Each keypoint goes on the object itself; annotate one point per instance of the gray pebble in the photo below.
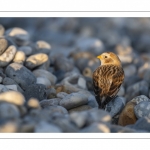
(51, 93)
(46, 74)
(61, 94)
(141, 98)
(7, 56)
(35, 91)
(80, 108)
(96, 128)
(44, 81)
(129, 70)
(142, 109)
(116, 105)
(49, 102)
(20, 74)
(3, 45)
(26, 49)
(45, 127)
(73, 100)
(8, 111)
(3, 88)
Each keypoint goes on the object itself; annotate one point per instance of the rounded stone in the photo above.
(43, 44)
(51, 93)
(44, 81)
(115, 106)
(7, 56)
(19, 57)
(45, 127)
(73, 100)
(61, 94)
(127, 116)
(8, 111)
(2, 30)
(20, 74)
(12, 87)
(37, 91)
(13, 97)
(49, 102)
(3, 88)
(26, 49)
(45, 74)
(130, 70)
(9, 127)
(142, 109)
(33, 103)
(36, 60)
(80, 108)
(3, 45)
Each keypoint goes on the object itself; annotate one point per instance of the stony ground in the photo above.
(46, 67)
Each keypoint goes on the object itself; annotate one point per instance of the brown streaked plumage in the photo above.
(107, 78)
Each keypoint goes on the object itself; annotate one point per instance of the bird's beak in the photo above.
(99, 57)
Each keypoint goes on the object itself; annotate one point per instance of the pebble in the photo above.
(80, 108)
(130, 70)
(27, 50)
(61, 95)
(3, 88)
(37, 91)
(121, 91)
(115, 106)
(7, 56)
(44, 81)
(139, 88)
(8, 111)
(19, 57)
(43, 44)
(1, 79)
(49, 102)
(51, 93)
(79, 118)
(45, 127)
(13, 97)
(96, 128)
(33, 103)
(73, 100)
(12, 87)
(36, 60)
(45, 74)
(142, 109)
(3, 45)
(20, 74)
(2, 30)
(92, 101)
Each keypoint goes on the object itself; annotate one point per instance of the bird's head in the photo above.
(109, 58)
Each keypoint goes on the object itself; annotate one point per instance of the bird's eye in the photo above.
(105, 56)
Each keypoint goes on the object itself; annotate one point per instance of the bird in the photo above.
(107, 78)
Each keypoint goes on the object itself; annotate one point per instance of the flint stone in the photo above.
(20, 74)
(73, 100)
(3, 45)
(35, 91)
(36, 60)
(45, 74)
(7, 56)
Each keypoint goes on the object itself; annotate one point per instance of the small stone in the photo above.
(96, 128)
(35, 91)
(73, 100)
(61, 94)
(2, 30)
(127, 116)
(51, 93)
(92, 101)
(141, 98)
(33, 103)
(82, 83)
(79, 118)
(139, 88)
(45, 74)
(12, 87)
(36, 60)
(8, 111)
(80, 108)
(3, 88)
(1, 79)
(44, 81)
(9, 127)
(27, 50)
(44, 66)
(115, 106)
(3, 45)
(142, 109)
(45, 127)
(43, 44)
(20, 74)
(27, 128)
(49, 102)
(19, 57)
(7, 56)
(13, 97)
